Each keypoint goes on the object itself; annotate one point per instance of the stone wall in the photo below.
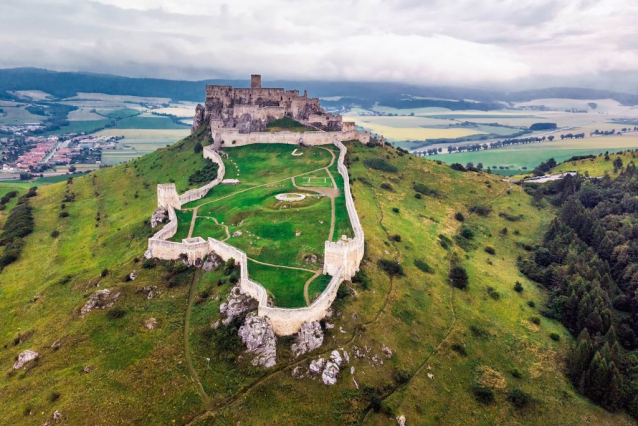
(342, 258)
(232, 137)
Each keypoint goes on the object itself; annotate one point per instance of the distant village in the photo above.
(37, 154)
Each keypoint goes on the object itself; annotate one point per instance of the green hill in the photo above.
(487, 349)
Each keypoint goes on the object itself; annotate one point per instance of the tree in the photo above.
(618, 163)
(458, 277)
(72, 169)
(469, 165)
(479, 166)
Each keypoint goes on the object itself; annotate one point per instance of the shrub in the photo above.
(459, 216)
(205, 175)
(444, 241)
(387, 187)
(198, 148)
(510, 217)
(515, 373)
(148, 264)
(518, 398)
(361, 278)
(425, 190)
(483, 395)
(531, 303)
(467, 232)
(401, 375)
(458, 167)
(481, 210)
(535, 320)
(478, 331)
(391, 267)
(64, 214)
(380, 164)
(460, 349)
(490, 250)
(104, 272)
(115, 313)
(395, 209)
(493, 293)
(518, 287)
(422, 265)
(458, 277)
(396, 238)
(54, 396)
(55, 233)
(418, 196)
(504, 231)
(554, 336)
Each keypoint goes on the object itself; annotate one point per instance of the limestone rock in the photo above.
(330, 373)
(57, 416)
(376, 360)
(101, 299)
(211, 262)
(159, 216)
(401, 420)
(24, 358)
(259, 338)
(87, 369)
(317, 365)
(56, 345)
(346, 357)
(309, 338)
(298, 372)
(311, 258)
(237, 304)
(150, 324)
(237, 234)
(386, 351)
(198, 119)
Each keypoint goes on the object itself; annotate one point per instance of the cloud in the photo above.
(466, 42)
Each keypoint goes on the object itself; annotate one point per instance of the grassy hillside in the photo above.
(111, 369)
(597, 166)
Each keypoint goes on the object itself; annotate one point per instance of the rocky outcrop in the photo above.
(237, 305)
(150, 324)
(198, 119)
(331, 372)
(211, 262)
(309, 338)
(317, 365)
(24, 358)
(159, 216)
(101, 299)
(259, 338)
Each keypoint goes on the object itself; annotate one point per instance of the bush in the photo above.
(460, 349)
(425, 190)
(518, 287)
(55, 233)
(205, 175)
(148, 264)
(481, 210)
(115, 313)
(554, 336)
(458, 167)
(418, 196)
(64, 214)
(493, 293)
(490, 250)
(380, 164)
(422, 265)
(515, 373)
(518, 398)
(396, 238)
(531, 303)
(387, 187)
(401, 375)
(104, 272)
(391, 267)
(478, 331)
(198, 148)
(459, 216)
(361, 278)
(535, 320)
(483, 395)
(467, 232)
(395, 209)
(458, 277)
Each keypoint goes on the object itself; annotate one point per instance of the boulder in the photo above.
(101, 299)
(159, 216)
(211, 262)
(401, 420)
(237, 305)
(259, 338)
(150, 324)
(386, 351)
(309, 338)
(330, 373)
(25, 357)
(317, 365)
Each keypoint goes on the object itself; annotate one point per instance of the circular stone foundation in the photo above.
(290, 196)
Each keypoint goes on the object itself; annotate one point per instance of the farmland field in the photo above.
(138, 142)
(532, 155)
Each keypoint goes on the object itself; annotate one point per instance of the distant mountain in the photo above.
(67, 84)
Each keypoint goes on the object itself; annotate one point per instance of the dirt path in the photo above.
(190, 230)
(307, 285)
(187, 352)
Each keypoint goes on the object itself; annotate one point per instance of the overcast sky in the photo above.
(479, 43)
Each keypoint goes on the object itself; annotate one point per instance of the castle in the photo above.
(239, 116)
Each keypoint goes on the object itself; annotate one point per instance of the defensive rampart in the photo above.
(232, 137)
(341, 259)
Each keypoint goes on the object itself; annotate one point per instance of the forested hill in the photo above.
(67, 84)
(589, 263)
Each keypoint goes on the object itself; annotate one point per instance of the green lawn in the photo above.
(284, 285)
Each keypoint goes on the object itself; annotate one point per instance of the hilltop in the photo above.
(419, 346)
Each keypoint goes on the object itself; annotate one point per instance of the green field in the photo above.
(531, 155)
(188, 369)
(80, 127)
(285, 286)
(150, 123)
(318, 180)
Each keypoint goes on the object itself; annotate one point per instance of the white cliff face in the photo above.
(309, 338)
(259, 338)
(24, 358)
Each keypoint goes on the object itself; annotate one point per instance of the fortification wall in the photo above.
(342, 258)
(232, 137)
